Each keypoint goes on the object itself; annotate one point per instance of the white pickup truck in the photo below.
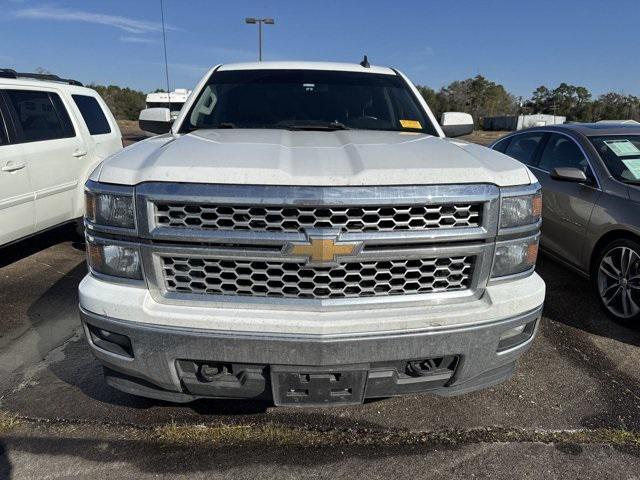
(305, 233)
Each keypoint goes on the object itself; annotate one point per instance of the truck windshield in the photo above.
(307, 100)
(621, 155)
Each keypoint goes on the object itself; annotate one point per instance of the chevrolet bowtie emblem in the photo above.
(322, 250)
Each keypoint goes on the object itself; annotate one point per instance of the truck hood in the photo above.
(283, 157)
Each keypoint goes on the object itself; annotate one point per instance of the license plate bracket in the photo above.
(304, 386)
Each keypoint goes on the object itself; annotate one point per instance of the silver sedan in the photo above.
(590, 174)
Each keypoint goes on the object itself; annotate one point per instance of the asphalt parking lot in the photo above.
(571, 411)
(573, 406)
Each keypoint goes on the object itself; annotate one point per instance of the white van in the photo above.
(53, 133)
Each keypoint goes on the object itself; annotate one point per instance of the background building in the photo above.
(518, 122)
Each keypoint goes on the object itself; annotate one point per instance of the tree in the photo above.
(540, 99)
(431, 97)
(478, 96)
(571, 101)
(124, 103)
(616, 106)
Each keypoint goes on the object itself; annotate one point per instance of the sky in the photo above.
(521, 44)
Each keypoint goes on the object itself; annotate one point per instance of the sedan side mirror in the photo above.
(155, 120)
(455, 124)
(569, 174)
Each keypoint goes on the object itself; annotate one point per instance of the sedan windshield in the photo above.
(621, 155)
(307, 100)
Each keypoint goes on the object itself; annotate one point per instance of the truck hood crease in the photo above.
(283, 157)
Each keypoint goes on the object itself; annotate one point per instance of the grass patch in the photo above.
(267, 434)
(278, 435)
(609, 436)
(273, 435)
(8, 422)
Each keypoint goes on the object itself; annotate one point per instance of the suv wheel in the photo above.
(617, 281)
(79, 229)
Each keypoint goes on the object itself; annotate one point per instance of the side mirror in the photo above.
(155, 120)
(455, 124)
(569, 174)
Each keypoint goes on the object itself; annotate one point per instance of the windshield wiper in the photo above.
(212, 127)
(329, 127)
(631, 182)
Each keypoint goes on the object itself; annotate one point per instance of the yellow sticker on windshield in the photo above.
(410, 124)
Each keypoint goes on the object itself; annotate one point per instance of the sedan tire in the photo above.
(616, 280)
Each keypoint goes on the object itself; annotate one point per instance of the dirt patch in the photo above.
(131, 132)
(483, 137)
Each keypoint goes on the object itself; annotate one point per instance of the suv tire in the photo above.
(79, 229)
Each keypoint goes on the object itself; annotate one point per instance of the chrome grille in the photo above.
(296, 219)
(206, 276)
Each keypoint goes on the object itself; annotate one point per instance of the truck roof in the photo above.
(288, 65)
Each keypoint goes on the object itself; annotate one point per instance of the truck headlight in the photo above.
(110, 209)
(114, 260)
(515, 256)
(521, 210)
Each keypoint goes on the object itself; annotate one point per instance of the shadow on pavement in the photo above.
(572, 301)
(41, 241)
(54, 315)
(160, 458)
(5, 464)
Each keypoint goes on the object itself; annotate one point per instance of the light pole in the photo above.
(259, 21)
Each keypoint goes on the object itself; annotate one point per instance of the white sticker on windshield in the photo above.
(633, 166)
(622, 148)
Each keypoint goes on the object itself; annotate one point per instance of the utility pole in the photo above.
(166, 62)
(259, 21)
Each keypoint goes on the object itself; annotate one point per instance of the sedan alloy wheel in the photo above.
(619, 281)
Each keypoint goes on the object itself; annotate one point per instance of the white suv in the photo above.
(53, 133)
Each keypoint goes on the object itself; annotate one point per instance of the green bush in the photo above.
(125, 103)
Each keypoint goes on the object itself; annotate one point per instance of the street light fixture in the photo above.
(259, 21)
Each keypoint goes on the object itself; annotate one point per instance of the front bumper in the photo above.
(166, 362)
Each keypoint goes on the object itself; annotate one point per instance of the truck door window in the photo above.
(92, 114)
(40, 115)
(523, 147)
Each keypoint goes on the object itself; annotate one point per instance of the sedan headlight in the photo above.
(110, 209)
(114, 260)
(521, 210)
(516, 256)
